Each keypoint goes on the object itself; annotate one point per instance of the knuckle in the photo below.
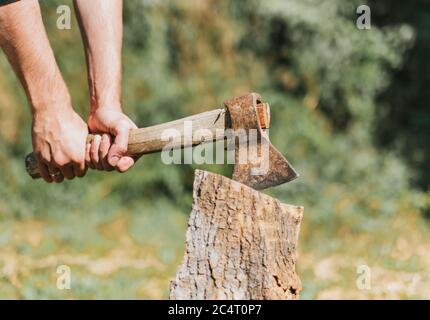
(44, 157)
(104, 148)
(78, 158)
(60, 160)
(122, 127)
(121, 149)
(93, 149)
(93, 152)
(122, 124)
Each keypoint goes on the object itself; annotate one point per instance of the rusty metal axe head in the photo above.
(258, 163)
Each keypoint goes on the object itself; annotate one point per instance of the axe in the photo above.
(245, 113)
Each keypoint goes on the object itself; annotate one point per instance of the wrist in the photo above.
(103, 96)
(52, 96)
(105, 104)
(52, 104)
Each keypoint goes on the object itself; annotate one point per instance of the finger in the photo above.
(119, 147)
(88, 157)
(44, 172)
(124, 164)
(103, 152)
(94, 152)
(55, 173)
(79, 169)
(67, 171)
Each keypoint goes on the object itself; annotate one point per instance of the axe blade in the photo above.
(266, 166)
(275, 168)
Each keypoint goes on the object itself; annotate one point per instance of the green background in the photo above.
(349, 110)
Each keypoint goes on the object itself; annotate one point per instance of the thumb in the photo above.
(119, 147)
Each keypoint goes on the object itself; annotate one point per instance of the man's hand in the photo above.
(102, 154)
(59, 139)
(59, 134)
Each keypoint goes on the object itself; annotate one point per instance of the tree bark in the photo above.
(240, 244)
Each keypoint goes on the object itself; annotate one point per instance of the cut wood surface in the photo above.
(240, 244)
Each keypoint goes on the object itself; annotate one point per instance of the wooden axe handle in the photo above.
(203, 127)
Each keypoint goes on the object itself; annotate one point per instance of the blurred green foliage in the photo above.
(403, 118)
(325, 80)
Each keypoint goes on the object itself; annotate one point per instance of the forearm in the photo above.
(25, 43)
(101, 27)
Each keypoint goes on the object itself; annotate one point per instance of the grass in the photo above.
(122, 255)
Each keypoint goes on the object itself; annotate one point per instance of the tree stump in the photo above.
(240, 244)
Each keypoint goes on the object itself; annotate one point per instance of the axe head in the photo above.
(258, 164)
